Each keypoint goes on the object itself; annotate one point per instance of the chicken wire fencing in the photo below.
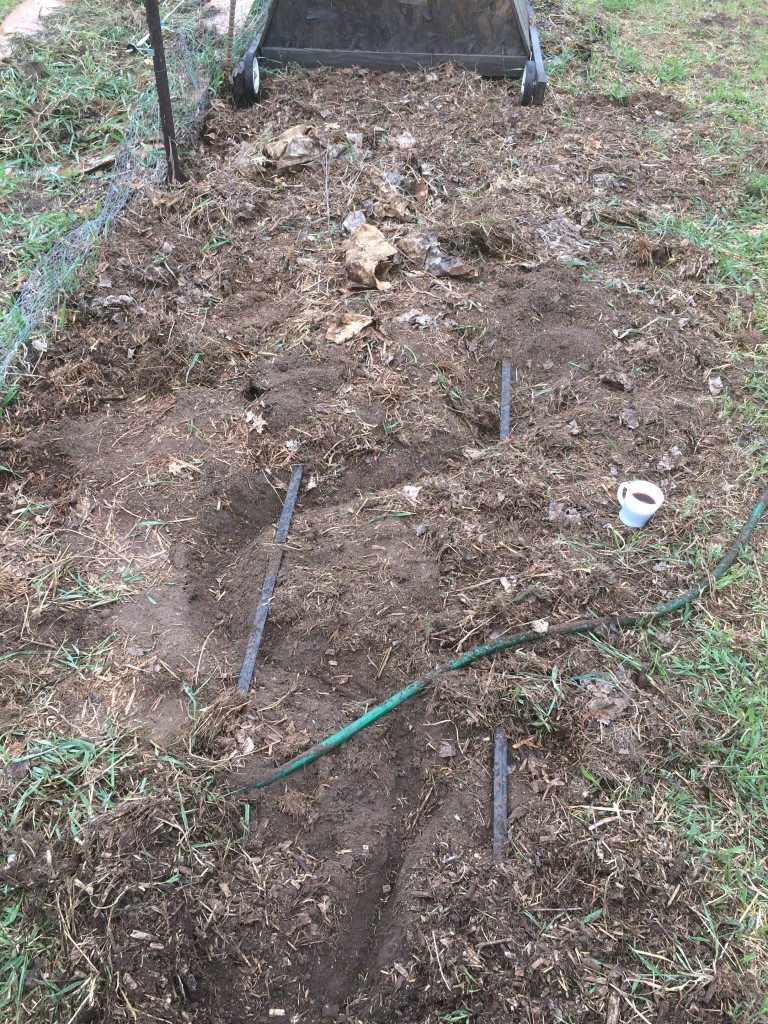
(192, 57)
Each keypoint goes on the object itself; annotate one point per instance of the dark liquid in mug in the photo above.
(643, 497)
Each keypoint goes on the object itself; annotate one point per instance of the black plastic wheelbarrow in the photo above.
(496, 38)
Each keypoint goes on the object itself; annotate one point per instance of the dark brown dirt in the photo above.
(160, 436)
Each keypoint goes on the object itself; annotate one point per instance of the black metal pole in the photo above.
(506, 399)
(270, 582)
(500, 797)
(175, 173)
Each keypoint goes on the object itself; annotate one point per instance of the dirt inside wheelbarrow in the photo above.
(146, 470)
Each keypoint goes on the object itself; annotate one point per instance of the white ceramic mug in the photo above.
(639, 499)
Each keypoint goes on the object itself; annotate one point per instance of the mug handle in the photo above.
(621, 494)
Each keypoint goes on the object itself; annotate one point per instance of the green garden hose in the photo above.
(518, 640)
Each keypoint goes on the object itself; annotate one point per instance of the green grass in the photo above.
(77, 106)
(67, 783)
(710, 792)
(738, 241)
(63, 786)
(25, 236)
(65, 99)
(718, 796)
(756, 187)
(625, 46)
(642, 44)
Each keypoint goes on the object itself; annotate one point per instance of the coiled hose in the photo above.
(704, 586)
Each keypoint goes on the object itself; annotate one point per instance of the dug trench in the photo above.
(145, 473)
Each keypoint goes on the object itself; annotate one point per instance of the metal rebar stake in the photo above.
(500, 796)
(500, 744)
(506, 399)
(270, 581)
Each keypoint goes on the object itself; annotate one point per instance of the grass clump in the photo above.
(62, 784)
(67, 100)
(756, 186)
(87, 822)
(64, 98)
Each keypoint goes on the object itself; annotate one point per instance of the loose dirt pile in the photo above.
(197, 368)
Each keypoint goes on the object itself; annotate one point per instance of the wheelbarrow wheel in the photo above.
(246, 79)
(527, 84)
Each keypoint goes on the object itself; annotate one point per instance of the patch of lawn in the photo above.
(64, 97)
(68, 95)
(710, 789)
(62, 790)
(633, 46)
(739, 244)
(63, 783)
(67, 98)
(709, 793)
(641, 44)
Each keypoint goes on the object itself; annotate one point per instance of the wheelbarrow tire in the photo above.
(246, 79)
(527, 84)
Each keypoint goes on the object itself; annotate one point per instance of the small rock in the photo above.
(617, 379)
(353, 220)
(416, 318)
(402, 140)
(109, 304)
(671, 459)
(16, 770)
(629, 418)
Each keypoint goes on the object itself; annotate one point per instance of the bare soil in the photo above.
(160, 433)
